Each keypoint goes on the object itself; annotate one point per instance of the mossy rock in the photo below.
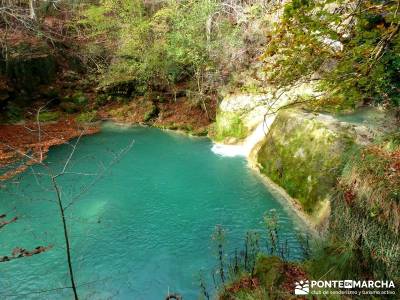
(305, 154)
(229, 125)
(49, 116)
(87, 117)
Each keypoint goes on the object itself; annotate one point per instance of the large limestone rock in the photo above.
(304, 153)
(240, 114)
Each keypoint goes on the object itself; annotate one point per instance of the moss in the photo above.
(229, 125)
(79, 98)
(49, 116)
(304, 156)
(87, 117)
(102, 100)
(151, 113)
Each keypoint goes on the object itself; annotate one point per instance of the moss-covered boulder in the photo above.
(239, 114)
(364, 225)
(49, 116)
(229, 125)
(304, 153)
(79, 98)
(87, 117)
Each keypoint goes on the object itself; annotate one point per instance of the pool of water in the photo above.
(140, 230)
(368, 116)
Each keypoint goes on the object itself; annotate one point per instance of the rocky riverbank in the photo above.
(300, 153)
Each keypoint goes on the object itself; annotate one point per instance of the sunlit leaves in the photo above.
(360, 37)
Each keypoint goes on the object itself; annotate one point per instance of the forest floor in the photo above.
(180, 114)
(22, 145)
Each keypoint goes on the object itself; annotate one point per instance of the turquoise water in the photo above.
(144, 228)
(368, 116)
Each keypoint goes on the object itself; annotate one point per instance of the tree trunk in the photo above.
(66, 237)
(32, 14)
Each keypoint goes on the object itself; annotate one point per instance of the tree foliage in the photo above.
(352, 46)
(158, 46)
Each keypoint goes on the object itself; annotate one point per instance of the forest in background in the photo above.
(202, 48)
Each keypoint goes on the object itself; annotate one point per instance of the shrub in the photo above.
(157, 49)
(87, 117)
(357, 62)
(69, 107)
(49, 116)
(13, 112)
(79, 98)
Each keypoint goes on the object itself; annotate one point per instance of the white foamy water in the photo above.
(244, 149)
(228, 150)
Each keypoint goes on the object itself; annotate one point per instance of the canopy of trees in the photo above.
(353, 46)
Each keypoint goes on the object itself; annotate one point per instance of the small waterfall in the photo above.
(245, 148)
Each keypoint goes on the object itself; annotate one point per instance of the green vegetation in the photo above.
(352, 46)
(87, 117)
(367, 201)
(150, 114)
(304, 155)
(364, 224)
(74, 103)
(79, 98)
(162, 46)
(156, 48)
(258, 270)
(268, 281)
(229, 125)
(142, 55)
(49, 116)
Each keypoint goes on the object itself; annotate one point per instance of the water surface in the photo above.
(144, 228)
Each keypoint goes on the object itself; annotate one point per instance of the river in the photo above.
(143, 227)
